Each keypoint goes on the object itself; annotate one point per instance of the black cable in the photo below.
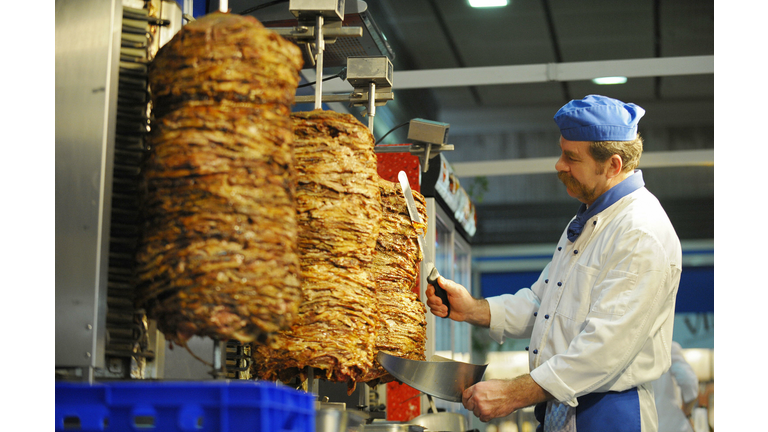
(392, 130)
(342, 74)
(261, 6)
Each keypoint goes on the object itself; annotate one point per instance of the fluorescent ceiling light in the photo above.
(610, 80)
(488, 3)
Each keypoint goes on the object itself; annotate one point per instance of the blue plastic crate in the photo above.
(185, 406)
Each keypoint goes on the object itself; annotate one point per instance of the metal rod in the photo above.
(310, 378)
(325, 98)
(371, 104)
(320, 44)
(341, 97)
(363, 400)
(308, 33)
(432, 404)
(313, 385)
(397, 148)
(219, 361)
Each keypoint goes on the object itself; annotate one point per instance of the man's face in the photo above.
(584, 177)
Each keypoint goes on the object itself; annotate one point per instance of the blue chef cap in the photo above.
(598, 118)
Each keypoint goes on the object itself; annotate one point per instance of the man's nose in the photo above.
(559, 165)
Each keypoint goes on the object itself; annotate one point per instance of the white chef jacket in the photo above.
(677, 385)
(600, 316)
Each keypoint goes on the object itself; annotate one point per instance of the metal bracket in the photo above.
(428, 141)
(427, 151)
(371, 79)
(311, 16)
(363, 98)
(305, 32)
(305, 35)
(354, 98)
(429, 137)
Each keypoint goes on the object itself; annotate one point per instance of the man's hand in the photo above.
(463, 306)
(498, 398)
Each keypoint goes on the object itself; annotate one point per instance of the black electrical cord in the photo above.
(261, 6)
(342, 74)
(392, 130)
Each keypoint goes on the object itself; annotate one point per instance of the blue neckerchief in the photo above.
(626, 187)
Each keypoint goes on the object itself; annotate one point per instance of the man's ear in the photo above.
(615, 166)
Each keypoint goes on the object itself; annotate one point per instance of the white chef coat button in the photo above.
(575, 251)
(546, 280)
(535, 351)
(560, 248)
(559, 284)
(594, 223)
(526, 348)
(535, 314)
(546, 316)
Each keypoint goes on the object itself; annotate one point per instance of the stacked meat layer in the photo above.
(339, 211)
(226, 57)
(219, 251)
(401, 328)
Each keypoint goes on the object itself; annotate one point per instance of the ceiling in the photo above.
(497, 76)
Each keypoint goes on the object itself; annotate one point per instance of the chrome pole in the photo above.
(371, 104)
(320, 46)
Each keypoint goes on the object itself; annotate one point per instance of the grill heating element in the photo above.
(127, 337)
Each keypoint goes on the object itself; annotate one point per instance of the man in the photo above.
(676, 393)
(600, 315)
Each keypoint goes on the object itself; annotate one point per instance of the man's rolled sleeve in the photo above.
(496, 305)
(549, 381)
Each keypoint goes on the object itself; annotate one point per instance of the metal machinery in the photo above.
(102, 51)
(102, 116)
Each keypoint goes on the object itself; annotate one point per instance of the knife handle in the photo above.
(439, 291)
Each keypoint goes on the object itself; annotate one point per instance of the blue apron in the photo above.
(602, 412)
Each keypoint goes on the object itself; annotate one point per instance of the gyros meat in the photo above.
(225, 57)
(339, 212)
(401, 329)
(218, 255)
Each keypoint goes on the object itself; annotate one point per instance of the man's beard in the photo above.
(581, 192)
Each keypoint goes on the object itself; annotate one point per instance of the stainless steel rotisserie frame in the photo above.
(87, 58)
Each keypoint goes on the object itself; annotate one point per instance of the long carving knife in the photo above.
(412, 210)
(431, 270)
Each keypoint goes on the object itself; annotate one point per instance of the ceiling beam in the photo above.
(547, 165)
(545, 72)
(486, 120)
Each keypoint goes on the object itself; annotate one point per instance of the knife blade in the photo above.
(412, 210)
(431, 270)
(445, 379)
